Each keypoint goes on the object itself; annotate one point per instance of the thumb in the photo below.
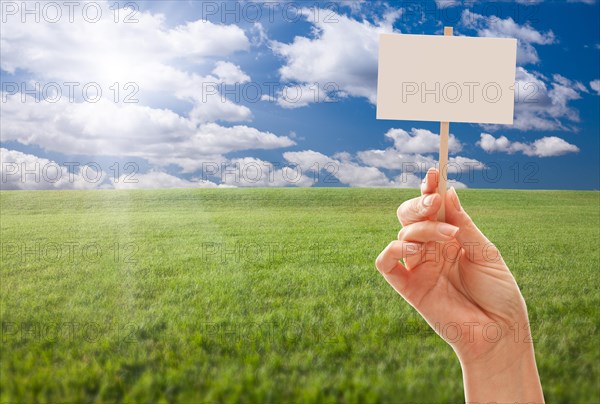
(475, 244)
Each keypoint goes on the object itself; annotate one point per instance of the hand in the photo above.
(457, 280)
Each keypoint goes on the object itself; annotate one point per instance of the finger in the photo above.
(422, 232)
(392, 254)
(430, 182)
(412, 261)
(388, 262)
(418, 209)
(476, 245)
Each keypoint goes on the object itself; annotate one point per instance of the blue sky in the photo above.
(205, 116)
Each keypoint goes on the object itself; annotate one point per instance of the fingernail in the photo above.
(455, 200)
(428, 201)
(447, 229)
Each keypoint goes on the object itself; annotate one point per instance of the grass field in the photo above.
(269, 295)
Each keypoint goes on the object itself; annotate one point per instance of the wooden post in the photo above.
(443, 160)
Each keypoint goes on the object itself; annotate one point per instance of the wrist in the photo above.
(482, 342)
(507, 373)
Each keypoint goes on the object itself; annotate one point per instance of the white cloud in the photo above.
(258, 34)
(150, 61)
(159, 135)
(420, 141)
(542, 103)
(297, 96)
(392, 159)
(544, 147)
(529, 2)
(303, 169)
(356, 6)
(156, 180)
(410, 180)
(349, 172)
(153, 57)
(447, 3)
(109, 51)
(25, 171)
(161, 62)
(342, 54)
(458, 163)
(595, 86)
(410, 153)
(21, 171)
(230, 73)
(577, 86)
(453, 3)
(308, 160)
(406, 155)
(253, 172)
(526, 35)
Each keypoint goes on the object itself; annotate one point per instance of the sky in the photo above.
(280, 94)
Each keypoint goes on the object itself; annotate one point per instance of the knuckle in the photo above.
(403, 233)
(400, 210)
(408, 209)
(378, 263)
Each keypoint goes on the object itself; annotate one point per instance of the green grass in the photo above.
(268, 295)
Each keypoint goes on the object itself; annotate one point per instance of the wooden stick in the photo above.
(443, 160)
(443, 163)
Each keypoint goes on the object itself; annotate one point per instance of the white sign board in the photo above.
(446, 78)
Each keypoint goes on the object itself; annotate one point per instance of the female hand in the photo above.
(457, 280)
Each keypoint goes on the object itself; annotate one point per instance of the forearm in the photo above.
(510, 376)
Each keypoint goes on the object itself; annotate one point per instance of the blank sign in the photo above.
(446, 78)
